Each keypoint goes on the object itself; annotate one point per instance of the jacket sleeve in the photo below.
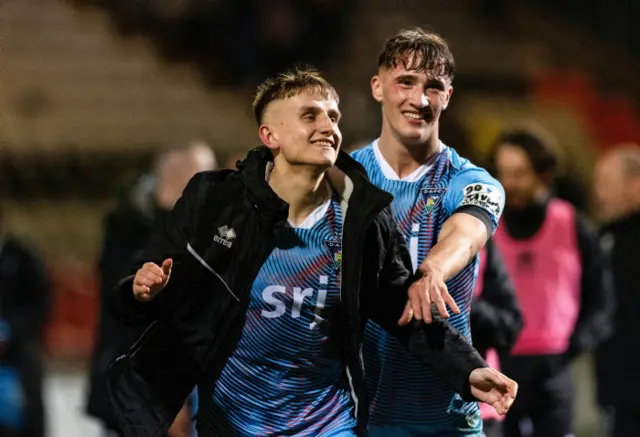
(168, 241)
(597, 300)
(437, 344)
(496, 320)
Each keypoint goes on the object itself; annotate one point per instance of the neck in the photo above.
(303, 188)
(405, 159)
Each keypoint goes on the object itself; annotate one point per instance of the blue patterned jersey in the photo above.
(403, 391)
(286, 376)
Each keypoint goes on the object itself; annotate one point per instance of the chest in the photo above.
(301, 278)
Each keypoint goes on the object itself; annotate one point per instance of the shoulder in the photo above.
(204, 184)
(458, 163)
(363, 154)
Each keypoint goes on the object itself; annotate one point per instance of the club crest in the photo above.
(335, 251)
(431, 198)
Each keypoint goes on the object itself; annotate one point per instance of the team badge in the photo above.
(431, 198)
(335, 250)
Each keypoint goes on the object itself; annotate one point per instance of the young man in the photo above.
(264, 276)
(446, 208)
(561, 279)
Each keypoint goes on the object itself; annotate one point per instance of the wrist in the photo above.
(431, 268)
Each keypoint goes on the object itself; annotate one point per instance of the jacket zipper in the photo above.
(354, 310)
(201, 260)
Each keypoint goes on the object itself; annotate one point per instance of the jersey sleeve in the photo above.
(474, 188)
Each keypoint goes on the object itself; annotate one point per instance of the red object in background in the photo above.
(565, 86)
(610, 120)
(615, 122)
(71, 329)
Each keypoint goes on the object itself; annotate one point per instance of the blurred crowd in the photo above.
(563, 265)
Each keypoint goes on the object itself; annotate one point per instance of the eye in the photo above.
(309, 116)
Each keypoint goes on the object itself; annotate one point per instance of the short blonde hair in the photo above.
(289, 84)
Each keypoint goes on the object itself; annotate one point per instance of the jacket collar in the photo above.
(347, 178)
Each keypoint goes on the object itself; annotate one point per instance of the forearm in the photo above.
(461, 238)
(442, 347)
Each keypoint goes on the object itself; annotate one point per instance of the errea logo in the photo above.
(225, 235)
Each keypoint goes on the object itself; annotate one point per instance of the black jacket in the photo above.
(616, 366)
(25, 299)
(127, 229)
(496, 319)
(197, 319)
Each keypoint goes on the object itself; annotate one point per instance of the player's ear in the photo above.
(267, 136)
(376, 87)
(447, 97)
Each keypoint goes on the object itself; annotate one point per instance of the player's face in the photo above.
(412, 102)
(304, 129)
(521, 183)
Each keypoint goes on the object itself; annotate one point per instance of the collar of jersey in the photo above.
(415, 176)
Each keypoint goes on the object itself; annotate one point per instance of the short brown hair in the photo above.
(420, 50)
(289, 84)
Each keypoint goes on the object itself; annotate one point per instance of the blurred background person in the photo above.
(496, 321)
(24, 307)
(126, 231)
(561, 281)
(617, 192)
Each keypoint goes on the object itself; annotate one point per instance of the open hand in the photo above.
(493, 388)
(151, 279)
(431, 288)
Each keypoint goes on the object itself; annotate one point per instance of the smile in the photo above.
(323, 143)
(413, 116)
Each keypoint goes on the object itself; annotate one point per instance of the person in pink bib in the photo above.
(562, 284)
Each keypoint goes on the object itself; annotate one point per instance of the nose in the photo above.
(325, 125)
(419, 99)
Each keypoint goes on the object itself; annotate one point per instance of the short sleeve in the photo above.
(474, 187)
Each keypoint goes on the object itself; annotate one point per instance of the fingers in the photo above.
(407, 315)
(415, 299)
(150, 279)
(450, 301)
(440, 305)
(426, 308)
(166, 266)
(499, 382)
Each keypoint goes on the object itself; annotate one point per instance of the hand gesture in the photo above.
(493, 388)
(151, 279)
(431, 288)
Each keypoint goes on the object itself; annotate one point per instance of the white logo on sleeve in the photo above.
(225, 235)
(483, 195)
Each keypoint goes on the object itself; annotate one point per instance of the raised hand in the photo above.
(151, 279)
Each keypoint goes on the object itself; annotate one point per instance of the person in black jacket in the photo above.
(25, 298)
(617, 189)
(127, 229)
(496, 321)
(265, 276)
